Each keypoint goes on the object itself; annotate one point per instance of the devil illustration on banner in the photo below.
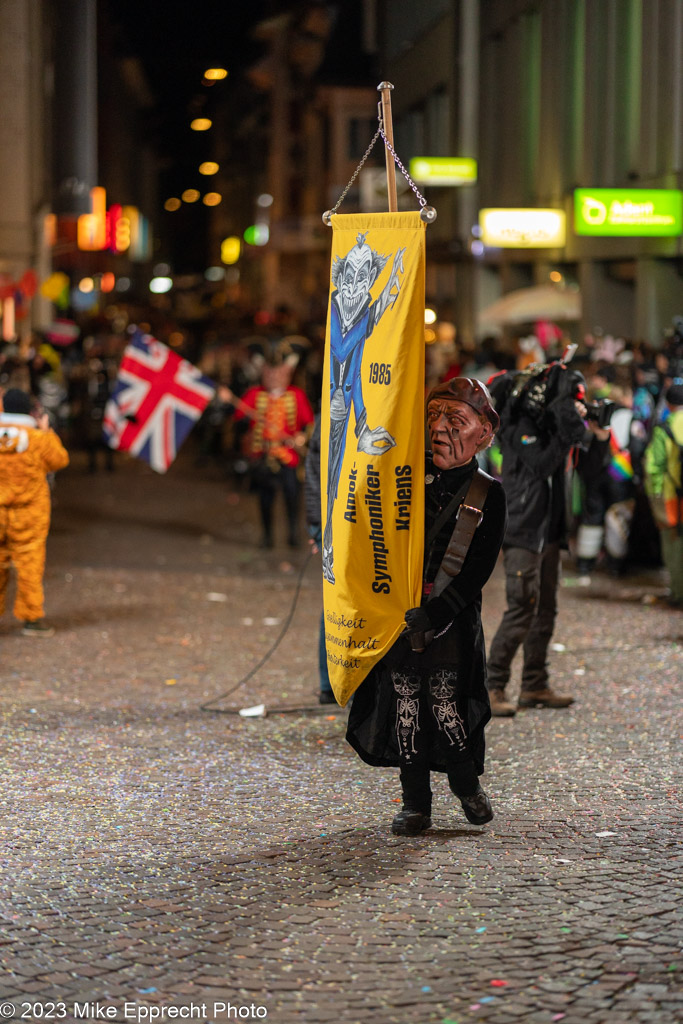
(353, 317)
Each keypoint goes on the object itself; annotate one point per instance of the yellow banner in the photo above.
(372, 444)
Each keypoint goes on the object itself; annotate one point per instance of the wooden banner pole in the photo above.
(385, 88)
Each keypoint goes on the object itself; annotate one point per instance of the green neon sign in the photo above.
(443, 170)
(637, 212)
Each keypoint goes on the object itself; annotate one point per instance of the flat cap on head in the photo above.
(470, 391)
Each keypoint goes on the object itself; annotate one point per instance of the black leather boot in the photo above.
(477, 807)
(415, 815)
(409, 822)
(464, 783)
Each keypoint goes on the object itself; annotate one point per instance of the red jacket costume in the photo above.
(279, 417)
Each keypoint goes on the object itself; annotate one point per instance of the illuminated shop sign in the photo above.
(91, 227)
(443, 170)
(522, 229)
(628, 211)
(116, 228)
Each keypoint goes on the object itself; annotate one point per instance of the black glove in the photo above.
(417, 621)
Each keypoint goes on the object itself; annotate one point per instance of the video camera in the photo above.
(532, 390)
(600, 411)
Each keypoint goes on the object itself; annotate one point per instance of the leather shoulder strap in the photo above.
(470, 515)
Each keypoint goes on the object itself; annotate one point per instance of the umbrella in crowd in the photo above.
(544, 302)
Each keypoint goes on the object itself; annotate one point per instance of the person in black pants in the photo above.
(423, 708)
(538, 430)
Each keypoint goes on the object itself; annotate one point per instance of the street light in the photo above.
(159, 285)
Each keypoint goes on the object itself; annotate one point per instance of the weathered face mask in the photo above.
(456, 433)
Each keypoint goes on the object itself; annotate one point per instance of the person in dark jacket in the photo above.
(538, 430)
(426, 710)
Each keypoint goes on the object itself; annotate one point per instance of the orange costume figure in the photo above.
(29, 450)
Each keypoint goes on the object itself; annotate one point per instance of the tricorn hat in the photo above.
(278, 352)
(470, 391)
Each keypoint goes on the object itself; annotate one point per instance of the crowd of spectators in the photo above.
(613, 528)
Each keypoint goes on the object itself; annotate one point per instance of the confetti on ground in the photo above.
(257, 711)
(148, 840)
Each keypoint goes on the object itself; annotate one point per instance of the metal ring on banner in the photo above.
(427, 213)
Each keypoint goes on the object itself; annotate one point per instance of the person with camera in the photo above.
(542, 418)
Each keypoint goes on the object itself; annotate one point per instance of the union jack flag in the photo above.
(156, 400)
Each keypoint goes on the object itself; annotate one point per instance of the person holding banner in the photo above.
(424, 706)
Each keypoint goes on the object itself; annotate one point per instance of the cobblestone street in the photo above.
(162, 862)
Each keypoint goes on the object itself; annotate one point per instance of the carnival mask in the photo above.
(456, 433)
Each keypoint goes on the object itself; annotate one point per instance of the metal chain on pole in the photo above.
(358, 169)
(380, 131)
(421, 199)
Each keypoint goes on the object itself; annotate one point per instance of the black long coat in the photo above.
(458, 647)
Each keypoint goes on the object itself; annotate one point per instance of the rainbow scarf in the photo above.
(620, 467)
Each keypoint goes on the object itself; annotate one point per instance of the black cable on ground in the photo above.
(290, 615)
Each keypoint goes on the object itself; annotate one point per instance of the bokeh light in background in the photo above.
(230, 249)
(257, 234)
(200, 124)
(430, 316)
(160, 285)
(172, 204)
(208, 167)
(190, 195)
(212, 199)
(215, 74)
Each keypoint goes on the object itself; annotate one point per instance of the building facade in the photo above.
(549, 96)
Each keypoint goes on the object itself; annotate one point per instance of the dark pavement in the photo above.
(158, 861)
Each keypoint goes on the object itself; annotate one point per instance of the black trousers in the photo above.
(266, 486)
(428, 714)
(531, 591)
